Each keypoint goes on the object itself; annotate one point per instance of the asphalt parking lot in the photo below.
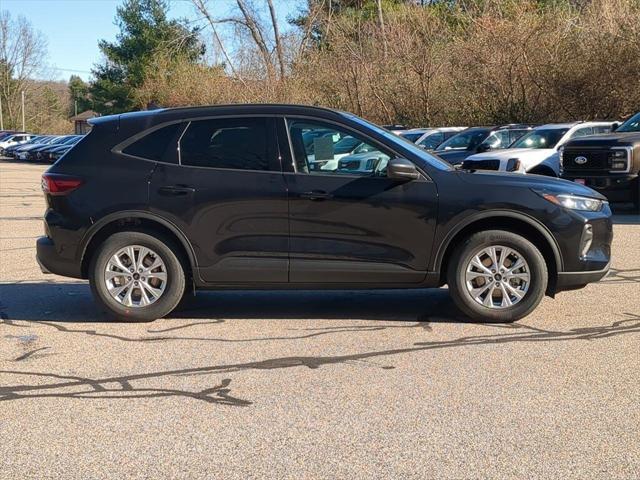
(315, 385)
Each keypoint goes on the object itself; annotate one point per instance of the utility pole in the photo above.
(1, 120)
(23, 129)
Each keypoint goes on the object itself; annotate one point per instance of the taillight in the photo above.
(57, 184)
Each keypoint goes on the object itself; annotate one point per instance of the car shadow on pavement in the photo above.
(72, 302)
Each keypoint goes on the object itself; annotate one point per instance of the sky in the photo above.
(74, 27)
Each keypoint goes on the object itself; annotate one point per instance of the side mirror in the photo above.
(402, 169)
(483, 147)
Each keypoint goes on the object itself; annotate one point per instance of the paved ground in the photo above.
(314, 385)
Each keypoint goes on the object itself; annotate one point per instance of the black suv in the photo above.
(152, 205)
(607, 163)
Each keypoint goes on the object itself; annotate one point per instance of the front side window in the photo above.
(229, 143)
(498, 139)
(432, 140)
(334, 150)
(464, 141)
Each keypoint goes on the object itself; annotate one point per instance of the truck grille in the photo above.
(585, 160)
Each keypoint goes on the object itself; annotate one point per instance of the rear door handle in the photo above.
(176, 190)
(316, 195)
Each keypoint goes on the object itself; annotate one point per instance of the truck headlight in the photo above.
(561, 158)
(620, 159)
(574, 202)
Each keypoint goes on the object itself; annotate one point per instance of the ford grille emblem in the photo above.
(580, 160)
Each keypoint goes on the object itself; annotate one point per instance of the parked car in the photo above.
(152, 204)
(412, 134)
(478, 140)
(55, 153)
(609, 164)
(537, 151)
(433, 137)
(36, 154)
(20, 151)
(15, 139)
(43, 153)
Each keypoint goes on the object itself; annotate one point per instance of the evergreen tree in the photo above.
(145, 32)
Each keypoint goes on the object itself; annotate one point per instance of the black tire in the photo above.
(175, 281)
(456, 276)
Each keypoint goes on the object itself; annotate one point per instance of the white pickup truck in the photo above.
(537, 151)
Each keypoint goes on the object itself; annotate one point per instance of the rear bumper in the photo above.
(51, 262)
(575, 280)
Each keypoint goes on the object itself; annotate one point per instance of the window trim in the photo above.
(119, 148)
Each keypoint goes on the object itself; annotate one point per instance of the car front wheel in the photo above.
(136, 276)
(497, 276)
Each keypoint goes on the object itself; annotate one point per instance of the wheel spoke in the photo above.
(115, 261)
(504, 254)
(476, 262)
(515, 291)
(142, 253)
(506, 299)
(491, 251)
(144, 298)
(156, 292)
(159, 275)
(111, 274)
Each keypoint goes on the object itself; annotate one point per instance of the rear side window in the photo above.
(230, 143)
(160, 145)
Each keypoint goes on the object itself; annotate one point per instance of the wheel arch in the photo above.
(134, 221)
(513, 222)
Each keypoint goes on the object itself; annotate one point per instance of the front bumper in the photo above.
(51, 262)
(616, 187)
(575, 280)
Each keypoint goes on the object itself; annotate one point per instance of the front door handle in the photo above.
(316, 195)
(176, 190)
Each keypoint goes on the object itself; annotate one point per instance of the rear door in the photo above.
(219, 181)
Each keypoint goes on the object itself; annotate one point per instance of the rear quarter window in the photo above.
(160, 145)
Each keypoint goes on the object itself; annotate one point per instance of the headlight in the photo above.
(620, 159)
(561, 158)
(574, 202)
(513, 164)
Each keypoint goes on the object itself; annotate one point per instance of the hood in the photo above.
(623, 139)
(495, 180)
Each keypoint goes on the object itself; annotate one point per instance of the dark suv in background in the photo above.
(478, 140)
(152, 205)
(607, 163)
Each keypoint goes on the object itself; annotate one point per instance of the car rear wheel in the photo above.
(136, 276)
(497, 276)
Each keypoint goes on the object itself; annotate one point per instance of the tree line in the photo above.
(431, 62)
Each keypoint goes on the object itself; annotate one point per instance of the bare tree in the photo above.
(22, 55)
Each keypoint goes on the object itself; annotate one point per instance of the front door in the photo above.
(350, 223)
(226, 192)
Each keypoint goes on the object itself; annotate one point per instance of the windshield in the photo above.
(397, 140)
(412, 136)
(541, 138)
(464, 141)
(631, 125)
